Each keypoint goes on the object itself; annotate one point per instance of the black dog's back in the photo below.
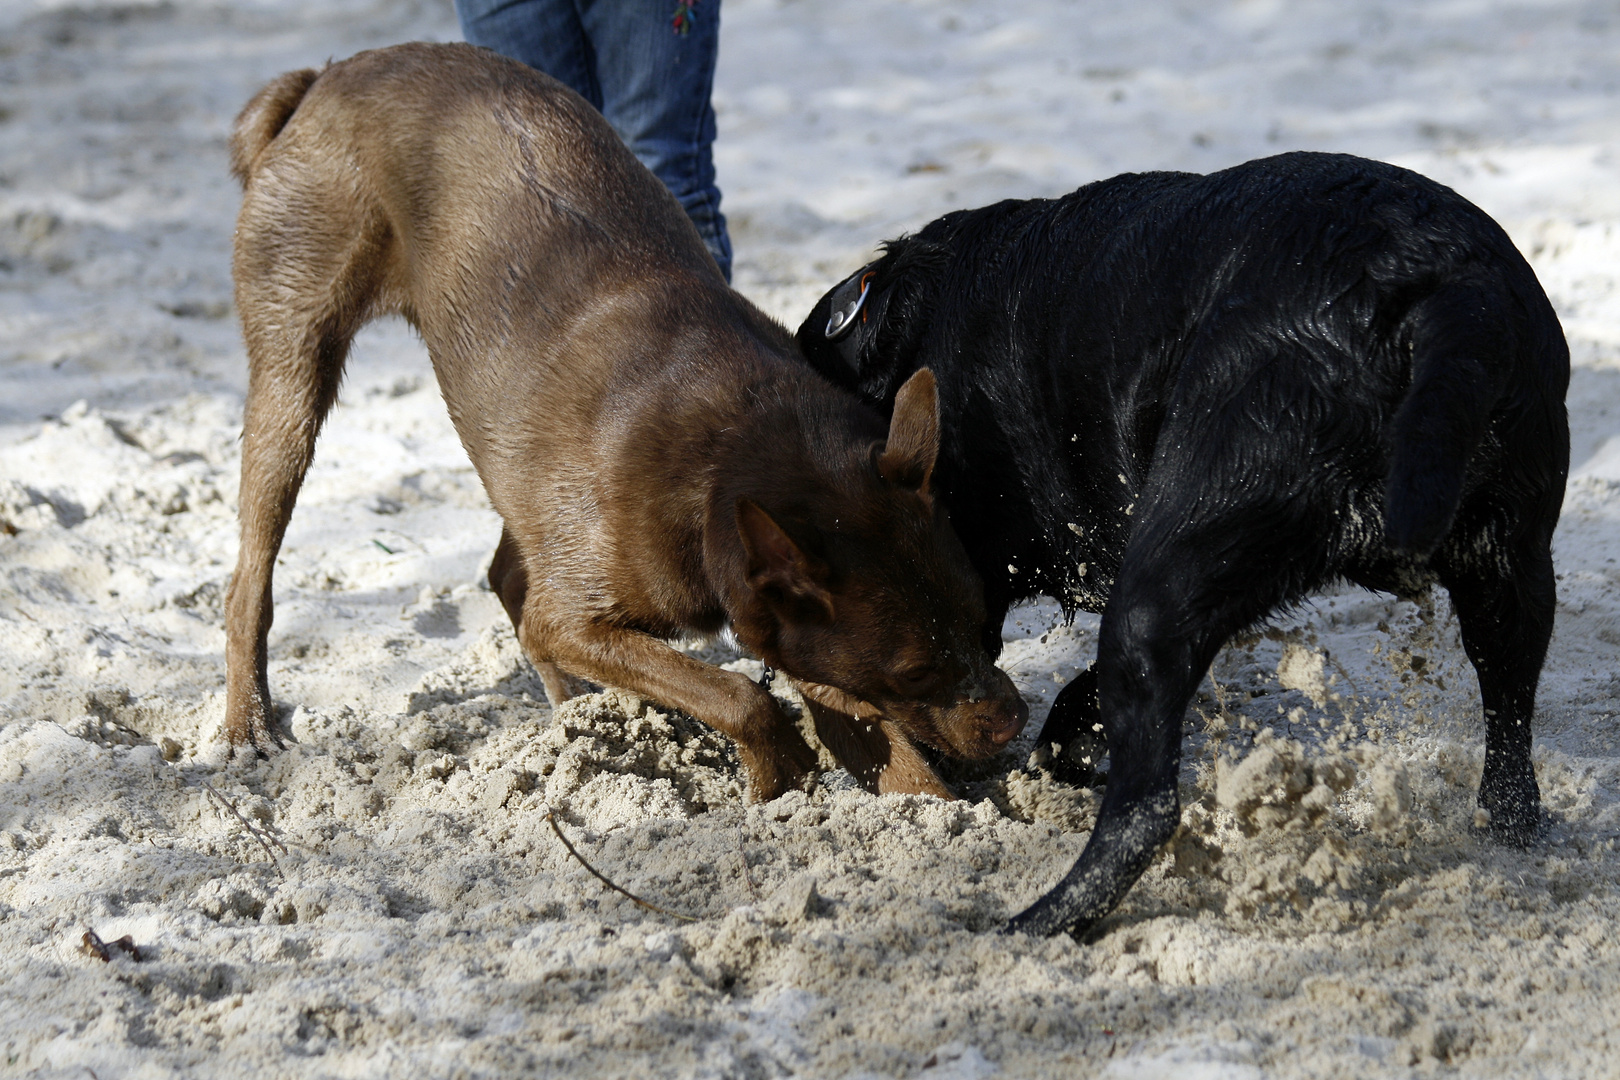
(1284, 297)
(1185, 400)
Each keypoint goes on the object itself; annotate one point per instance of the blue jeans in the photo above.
(626, 58)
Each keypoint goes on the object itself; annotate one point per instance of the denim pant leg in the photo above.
(655, 92)
(626, 58)
(545, 34)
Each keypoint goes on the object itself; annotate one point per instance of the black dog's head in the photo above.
(863, 334)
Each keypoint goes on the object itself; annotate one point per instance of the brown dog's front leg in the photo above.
(877, 755)
(772, 750)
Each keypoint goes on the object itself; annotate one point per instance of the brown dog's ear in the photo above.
(775, 563)
(908, 458)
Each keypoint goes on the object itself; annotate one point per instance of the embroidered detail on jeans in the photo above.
(682, 20)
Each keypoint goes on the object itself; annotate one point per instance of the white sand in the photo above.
(1326, 912)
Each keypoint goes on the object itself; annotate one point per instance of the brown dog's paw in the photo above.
(787, 765)
(252, 733)
(875, 750)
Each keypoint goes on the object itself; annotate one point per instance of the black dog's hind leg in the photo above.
(1504, 601)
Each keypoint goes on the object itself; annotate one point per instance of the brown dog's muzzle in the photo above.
(984, 714)
(987, 715)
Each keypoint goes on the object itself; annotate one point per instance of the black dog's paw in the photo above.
(1518, 827)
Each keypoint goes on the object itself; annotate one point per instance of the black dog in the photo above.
(1185, 401)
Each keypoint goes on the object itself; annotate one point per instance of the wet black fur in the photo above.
(1237, 388)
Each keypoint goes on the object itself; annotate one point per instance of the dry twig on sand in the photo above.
(597, 874)
(255, 833)
(748, 879)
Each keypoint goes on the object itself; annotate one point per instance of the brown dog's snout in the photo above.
(988, 715)
(1003, 727)
(1006, 716)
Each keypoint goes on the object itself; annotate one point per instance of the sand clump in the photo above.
(1276, 786)
(1303, 669)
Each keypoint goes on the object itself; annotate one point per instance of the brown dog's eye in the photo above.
(918, 679)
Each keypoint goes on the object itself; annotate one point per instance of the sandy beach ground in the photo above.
(387, 896)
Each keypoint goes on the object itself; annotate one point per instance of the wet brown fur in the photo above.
(662, 460)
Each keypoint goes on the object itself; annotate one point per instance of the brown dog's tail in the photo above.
(262, 119)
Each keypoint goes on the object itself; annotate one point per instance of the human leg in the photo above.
(656, 84)
(545, 34)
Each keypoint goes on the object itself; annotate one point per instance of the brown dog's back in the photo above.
(416, 223)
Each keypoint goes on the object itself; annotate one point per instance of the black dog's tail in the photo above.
(263, 118)
(1462, 350)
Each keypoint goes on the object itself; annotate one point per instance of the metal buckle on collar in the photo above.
(842, 322)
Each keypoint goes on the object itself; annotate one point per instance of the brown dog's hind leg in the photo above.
(508, 578)
(511, 583)
(284, 412)
(297, 323)
(879, 756)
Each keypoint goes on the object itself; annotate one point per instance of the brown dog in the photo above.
(663, 460)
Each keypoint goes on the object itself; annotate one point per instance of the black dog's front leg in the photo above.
(1130, 830)
(1144, 689)
(1170, 612)
(1075, 727)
